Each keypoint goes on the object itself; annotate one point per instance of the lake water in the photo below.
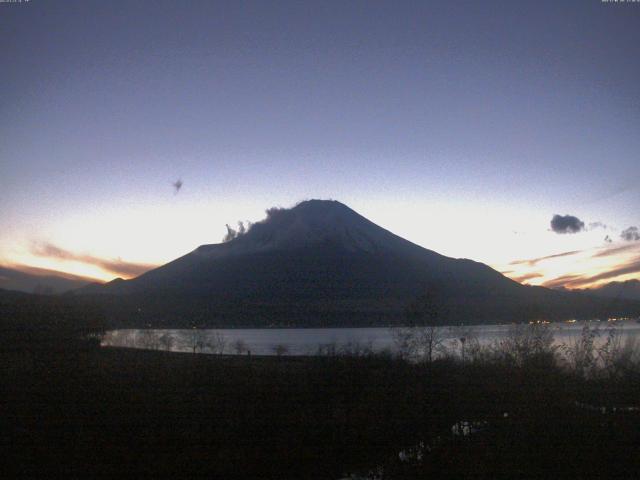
(311, 341)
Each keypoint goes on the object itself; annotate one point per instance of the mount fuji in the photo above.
(322, 264)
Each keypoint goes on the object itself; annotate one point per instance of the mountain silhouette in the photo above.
(38, 280)
(629, 290)
(321, 263)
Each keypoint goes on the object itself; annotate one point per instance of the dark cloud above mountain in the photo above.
(566, 224)
(115, 266)
(230, 235)
(233, 233)
(631, 234)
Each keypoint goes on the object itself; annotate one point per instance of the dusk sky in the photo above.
(463, 126)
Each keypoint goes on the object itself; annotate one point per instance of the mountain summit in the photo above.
(321, 263)
(308, 224)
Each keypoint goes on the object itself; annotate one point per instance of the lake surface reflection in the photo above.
(312, 341)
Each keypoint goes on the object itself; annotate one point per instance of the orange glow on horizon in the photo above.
(575, 272)
(40, 266)
(86, 246)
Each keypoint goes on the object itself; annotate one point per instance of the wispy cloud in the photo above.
(595, 225)
(534, 261)
(116, 266)
(624, 269)
(577, 281)
(528, 276)
(617, 250)
(563, 281)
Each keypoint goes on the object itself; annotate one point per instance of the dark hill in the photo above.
(40, 281)
(629, 290)
(321, 263)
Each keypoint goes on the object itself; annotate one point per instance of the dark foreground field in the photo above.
(111, 413)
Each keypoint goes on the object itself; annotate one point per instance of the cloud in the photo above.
(533, 261)
(566, 224)
(274, 211)
(594, 225)
(631, 234)
(576, 281)
(232, 233)
(528, 276)
(115, 266)
(562, 281)
(607, 252)
(275, 217)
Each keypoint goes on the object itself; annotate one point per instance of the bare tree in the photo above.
(430, 340)
(466, 341)
(423, 339)
(166, 341)
(239, 346)
(404, 341)
(424, 343)
(196, 340)
(148, 339)
(327, 349)
(216, 343)
(353, 348)
(280, 349)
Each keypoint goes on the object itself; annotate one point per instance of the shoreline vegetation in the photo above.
(595, 353)
(409, 342)
(433, 410)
